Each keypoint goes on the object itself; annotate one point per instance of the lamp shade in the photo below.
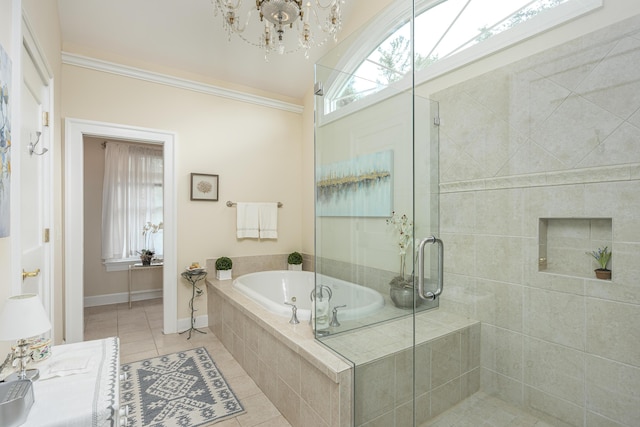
(23, 316)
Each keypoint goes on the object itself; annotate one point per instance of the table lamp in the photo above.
(23, 317)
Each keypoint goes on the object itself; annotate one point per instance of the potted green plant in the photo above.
(294, 261)
(401, 289)
(146, 256)
(223, 268)
(602, 256)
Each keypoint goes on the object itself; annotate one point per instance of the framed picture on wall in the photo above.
(204, 187)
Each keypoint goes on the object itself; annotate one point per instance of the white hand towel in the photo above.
(268, 220)
(247, 220)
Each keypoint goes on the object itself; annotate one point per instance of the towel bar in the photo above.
(232, 204)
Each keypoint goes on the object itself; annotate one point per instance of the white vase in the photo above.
(223, 274)
(295, 267)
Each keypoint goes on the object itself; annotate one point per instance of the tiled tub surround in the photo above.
(556, 135)
(311, 385)
(447, 367)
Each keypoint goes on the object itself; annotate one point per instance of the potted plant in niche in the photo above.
(602, 256)
(294, 261)
(223, 268)
(401, 289)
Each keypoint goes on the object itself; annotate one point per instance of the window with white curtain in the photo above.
(131, 201)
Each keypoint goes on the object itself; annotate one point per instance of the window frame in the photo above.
(394, 18)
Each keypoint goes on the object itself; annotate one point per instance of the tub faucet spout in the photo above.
(319, 291)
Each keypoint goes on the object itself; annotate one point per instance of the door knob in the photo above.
(33, 273)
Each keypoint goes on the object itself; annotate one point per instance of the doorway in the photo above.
(109, 282)
(75, 132)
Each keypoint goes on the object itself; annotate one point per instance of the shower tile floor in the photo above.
(483, 410)
(139, 329)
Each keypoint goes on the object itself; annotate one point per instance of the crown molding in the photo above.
(164, 79)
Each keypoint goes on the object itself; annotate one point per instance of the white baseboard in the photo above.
(201, 322)
(121, 297)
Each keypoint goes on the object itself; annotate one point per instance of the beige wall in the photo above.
(255, 150)
(223, 146)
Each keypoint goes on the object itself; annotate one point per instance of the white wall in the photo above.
(43, 18)
(44, 22)
(6, 27)
(369, 241)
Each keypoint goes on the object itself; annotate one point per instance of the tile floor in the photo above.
(482, 410)
(141, 337)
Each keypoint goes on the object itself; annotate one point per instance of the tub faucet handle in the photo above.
(334, 319)
(294, 314)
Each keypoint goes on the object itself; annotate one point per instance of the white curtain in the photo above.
(131, 198)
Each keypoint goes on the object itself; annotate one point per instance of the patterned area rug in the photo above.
(180, 389)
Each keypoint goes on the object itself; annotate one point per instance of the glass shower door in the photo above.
(376, 197)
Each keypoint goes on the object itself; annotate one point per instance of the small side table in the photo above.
(193, 277)
(139, 266)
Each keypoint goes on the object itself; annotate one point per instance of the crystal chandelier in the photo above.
(315, 23)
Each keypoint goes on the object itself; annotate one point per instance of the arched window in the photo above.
(443, 30)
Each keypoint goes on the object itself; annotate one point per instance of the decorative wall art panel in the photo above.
(361, 186)
(5, 142)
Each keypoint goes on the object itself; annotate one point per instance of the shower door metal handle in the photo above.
(430, 295)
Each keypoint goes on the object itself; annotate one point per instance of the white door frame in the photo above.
(75, 131)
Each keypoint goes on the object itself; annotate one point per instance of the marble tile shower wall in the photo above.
(554, 136)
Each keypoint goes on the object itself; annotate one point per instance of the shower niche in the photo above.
(564, 245)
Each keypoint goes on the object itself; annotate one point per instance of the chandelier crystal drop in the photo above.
(315, 22)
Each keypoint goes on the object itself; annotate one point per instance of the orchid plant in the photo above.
(404, 227)
(149, 229)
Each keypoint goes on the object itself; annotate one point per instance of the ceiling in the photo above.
(184, 35)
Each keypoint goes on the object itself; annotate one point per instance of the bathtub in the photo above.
(272, 288)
